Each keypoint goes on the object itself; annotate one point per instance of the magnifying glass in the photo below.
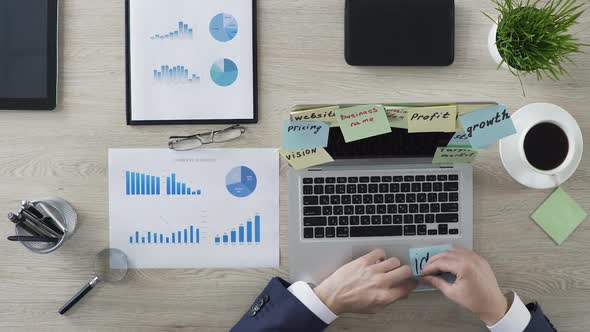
(110, 266)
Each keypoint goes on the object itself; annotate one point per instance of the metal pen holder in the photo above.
(60, 210)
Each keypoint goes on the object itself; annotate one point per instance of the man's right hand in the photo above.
(476, 287)
(366, 285)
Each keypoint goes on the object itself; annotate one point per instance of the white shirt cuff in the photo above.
(516, 319)
(306, 295)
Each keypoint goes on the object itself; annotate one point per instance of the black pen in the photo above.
(32, 239)
(19, 222)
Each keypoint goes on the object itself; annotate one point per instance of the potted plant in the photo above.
(531, 38)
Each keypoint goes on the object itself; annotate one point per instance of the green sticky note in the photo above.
(454, 155)
(432, 119)
(559, 216)
(300, 159)
(397, 116)
(362, 121)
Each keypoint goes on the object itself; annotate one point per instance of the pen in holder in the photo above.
(53, 219)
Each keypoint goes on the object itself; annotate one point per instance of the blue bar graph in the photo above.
(249, 234)
(183, 32)
(175, 74)
(188, 235)
(175, 187)
(141, 184)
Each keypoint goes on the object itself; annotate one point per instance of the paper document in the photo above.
(208, 208)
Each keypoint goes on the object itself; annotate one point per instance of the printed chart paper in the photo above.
(210, 208)
(191, 60)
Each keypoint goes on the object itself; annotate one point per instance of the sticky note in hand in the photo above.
(432, 119)
(420, 256)
(300, 159)
(559, 216)
(454, 155)
(486, 126)
(362, 121)
(300, 135)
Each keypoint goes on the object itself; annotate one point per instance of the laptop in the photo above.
(380, 192)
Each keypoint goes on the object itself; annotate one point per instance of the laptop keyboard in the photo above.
(380, 206)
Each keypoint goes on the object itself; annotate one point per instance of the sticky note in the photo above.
(432, 119)
(362, 121)
(300, 135)
(397, 116)
(420, 256)
(454, 155)
(468, 108)
(486, 126)
(300, 159)
(559, 216)
(325, 114)
(460, 139)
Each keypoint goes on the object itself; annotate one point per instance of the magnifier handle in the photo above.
(87, 288)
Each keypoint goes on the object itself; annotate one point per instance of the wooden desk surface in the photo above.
(300, 61)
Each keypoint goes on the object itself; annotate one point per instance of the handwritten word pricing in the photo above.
(301, 135)
(362, 121)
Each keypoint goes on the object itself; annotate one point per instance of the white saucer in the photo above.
(512, 153)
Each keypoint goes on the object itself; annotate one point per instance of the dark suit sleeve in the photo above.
(539, 322)
(276, 309)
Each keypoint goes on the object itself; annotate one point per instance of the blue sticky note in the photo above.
(460, 139)
(299, 135)
(420, 256)
(486, 126)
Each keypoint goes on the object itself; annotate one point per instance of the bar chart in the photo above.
(175, 74)
(141, 184)
(248, 233)
(175, 187)
(188, 235)
(182, 32)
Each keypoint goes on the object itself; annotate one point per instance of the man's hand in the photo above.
(366, 285)
(476, 287)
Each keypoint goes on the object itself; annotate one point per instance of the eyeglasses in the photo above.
(185, 143)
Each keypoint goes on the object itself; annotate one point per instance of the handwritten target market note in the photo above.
(432, 119)
(454, 155)
(362, 121)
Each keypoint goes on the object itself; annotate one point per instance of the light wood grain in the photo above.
(300, 61)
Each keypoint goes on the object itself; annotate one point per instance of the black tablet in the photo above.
(28, 54)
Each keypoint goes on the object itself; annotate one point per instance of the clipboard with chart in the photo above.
(191, 62)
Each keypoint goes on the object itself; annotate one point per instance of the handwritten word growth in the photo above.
(499, 117)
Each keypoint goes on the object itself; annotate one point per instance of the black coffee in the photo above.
(546, 146)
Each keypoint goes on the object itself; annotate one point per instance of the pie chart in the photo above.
(224, 72)
(240, 181)
(223, 27)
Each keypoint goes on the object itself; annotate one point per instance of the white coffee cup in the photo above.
(514, 157)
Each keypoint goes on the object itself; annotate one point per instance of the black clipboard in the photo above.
(128, 87)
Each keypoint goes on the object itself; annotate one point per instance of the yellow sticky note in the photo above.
(362, 121)
(397, 116)
(468, 108)
(454, 155)
(300, 159)
(324, 114)
(432, 119)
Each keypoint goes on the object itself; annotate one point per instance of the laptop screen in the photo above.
(397, 144)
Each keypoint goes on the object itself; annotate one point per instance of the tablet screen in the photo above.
(27, 55)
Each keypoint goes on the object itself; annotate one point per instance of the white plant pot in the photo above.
(492, 46)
